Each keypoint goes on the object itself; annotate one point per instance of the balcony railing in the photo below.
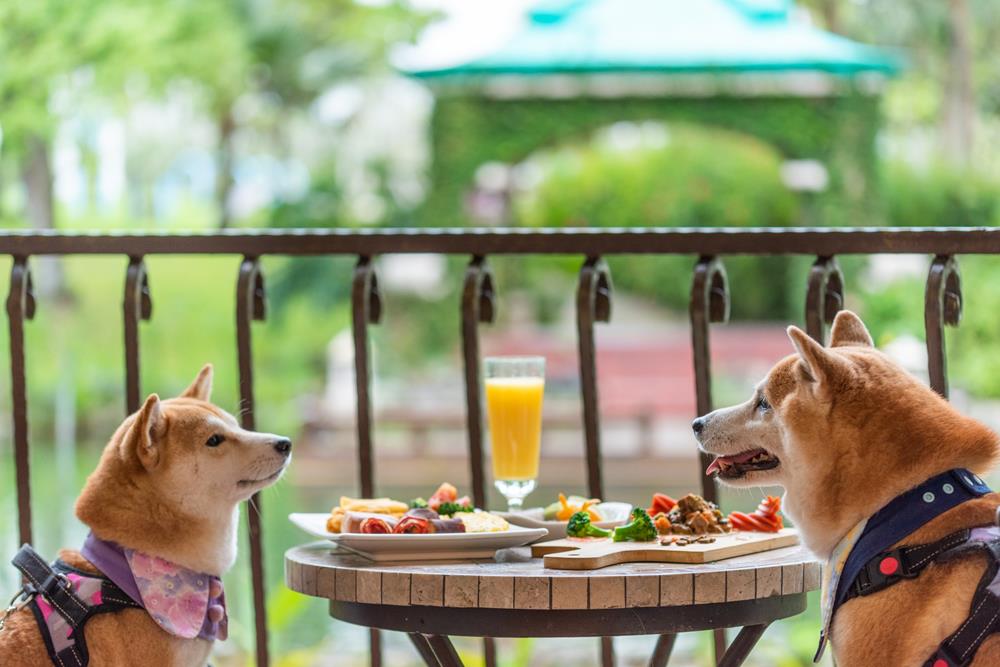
(709, 304)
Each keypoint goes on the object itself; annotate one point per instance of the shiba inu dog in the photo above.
(162, 506)
(846, 432)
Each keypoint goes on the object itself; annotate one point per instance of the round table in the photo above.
(514, 595)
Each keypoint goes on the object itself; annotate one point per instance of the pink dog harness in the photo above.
(62, 598)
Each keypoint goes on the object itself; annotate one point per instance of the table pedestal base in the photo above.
(429, 628)
(438, 651)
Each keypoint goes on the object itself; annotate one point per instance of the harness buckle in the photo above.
(53, 583)
(885, 569)
(943, 655)
(904, 571)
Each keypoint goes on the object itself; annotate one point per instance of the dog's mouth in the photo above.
(246, 483)
(738, 465)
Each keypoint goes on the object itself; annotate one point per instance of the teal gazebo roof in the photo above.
(671, 36)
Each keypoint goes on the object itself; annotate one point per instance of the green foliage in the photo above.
(423, 328)
(839, 131)
(945, 197)
(355, 37)
(939, 196)
(973, 347)
(682, 184)
(107, 42)
(192, 323)
(276, 55)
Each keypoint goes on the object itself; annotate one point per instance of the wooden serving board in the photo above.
(568, 554)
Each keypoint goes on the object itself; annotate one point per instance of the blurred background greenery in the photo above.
(173, 115)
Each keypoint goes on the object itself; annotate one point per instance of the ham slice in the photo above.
(413, 525)
(353, 520)
(375, 526)
(423, 520)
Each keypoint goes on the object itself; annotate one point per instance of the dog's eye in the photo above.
(762, 404)
(215, 440)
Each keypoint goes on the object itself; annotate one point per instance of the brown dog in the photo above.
(169, 485)
(845, 430)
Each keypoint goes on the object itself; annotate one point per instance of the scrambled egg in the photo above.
(482, 522)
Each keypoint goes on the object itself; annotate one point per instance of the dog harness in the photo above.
(864, 562)
(62, 598)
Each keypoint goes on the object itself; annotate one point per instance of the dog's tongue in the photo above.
(737, 458)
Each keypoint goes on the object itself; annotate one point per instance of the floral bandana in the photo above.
(183, 602)
(832, 570)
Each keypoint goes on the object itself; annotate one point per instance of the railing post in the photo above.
(366, 308)
(942, 306)
(824, 296)
(709, 303)
(137, 305)
(251, 305)
(593, 304)
(20, 307)
(478, 305)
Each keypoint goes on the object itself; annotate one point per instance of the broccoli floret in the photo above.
(580, 526)
(448, 509)
(417, 502)
(639, 529)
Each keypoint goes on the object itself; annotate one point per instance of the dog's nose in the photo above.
(697, 425)
(283, 446)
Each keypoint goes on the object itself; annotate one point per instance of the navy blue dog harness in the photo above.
(873, 565)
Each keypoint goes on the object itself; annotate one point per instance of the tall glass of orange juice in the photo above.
(514, 388)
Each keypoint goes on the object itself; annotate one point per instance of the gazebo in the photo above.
(753, 66)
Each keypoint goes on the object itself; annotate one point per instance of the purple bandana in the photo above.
(183, 602)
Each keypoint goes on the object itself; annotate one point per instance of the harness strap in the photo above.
(890, 567)
(62, 621)
(51, 585)
(959, 649)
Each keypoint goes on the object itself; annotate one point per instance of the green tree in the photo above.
(948, 45)
(45, 43)
(297, 49)
(285, 51)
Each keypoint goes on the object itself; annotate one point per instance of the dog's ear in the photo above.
(147, 431)
(818, 363)
(201, 388)
(848, 329)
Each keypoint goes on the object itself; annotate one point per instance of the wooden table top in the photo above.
(514, 580)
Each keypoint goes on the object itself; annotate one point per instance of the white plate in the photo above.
(616, 513)
(435, 546)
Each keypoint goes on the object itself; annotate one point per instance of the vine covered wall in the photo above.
(840, 131)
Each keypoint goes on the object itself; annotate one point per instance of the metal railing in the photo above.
(709, 304)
